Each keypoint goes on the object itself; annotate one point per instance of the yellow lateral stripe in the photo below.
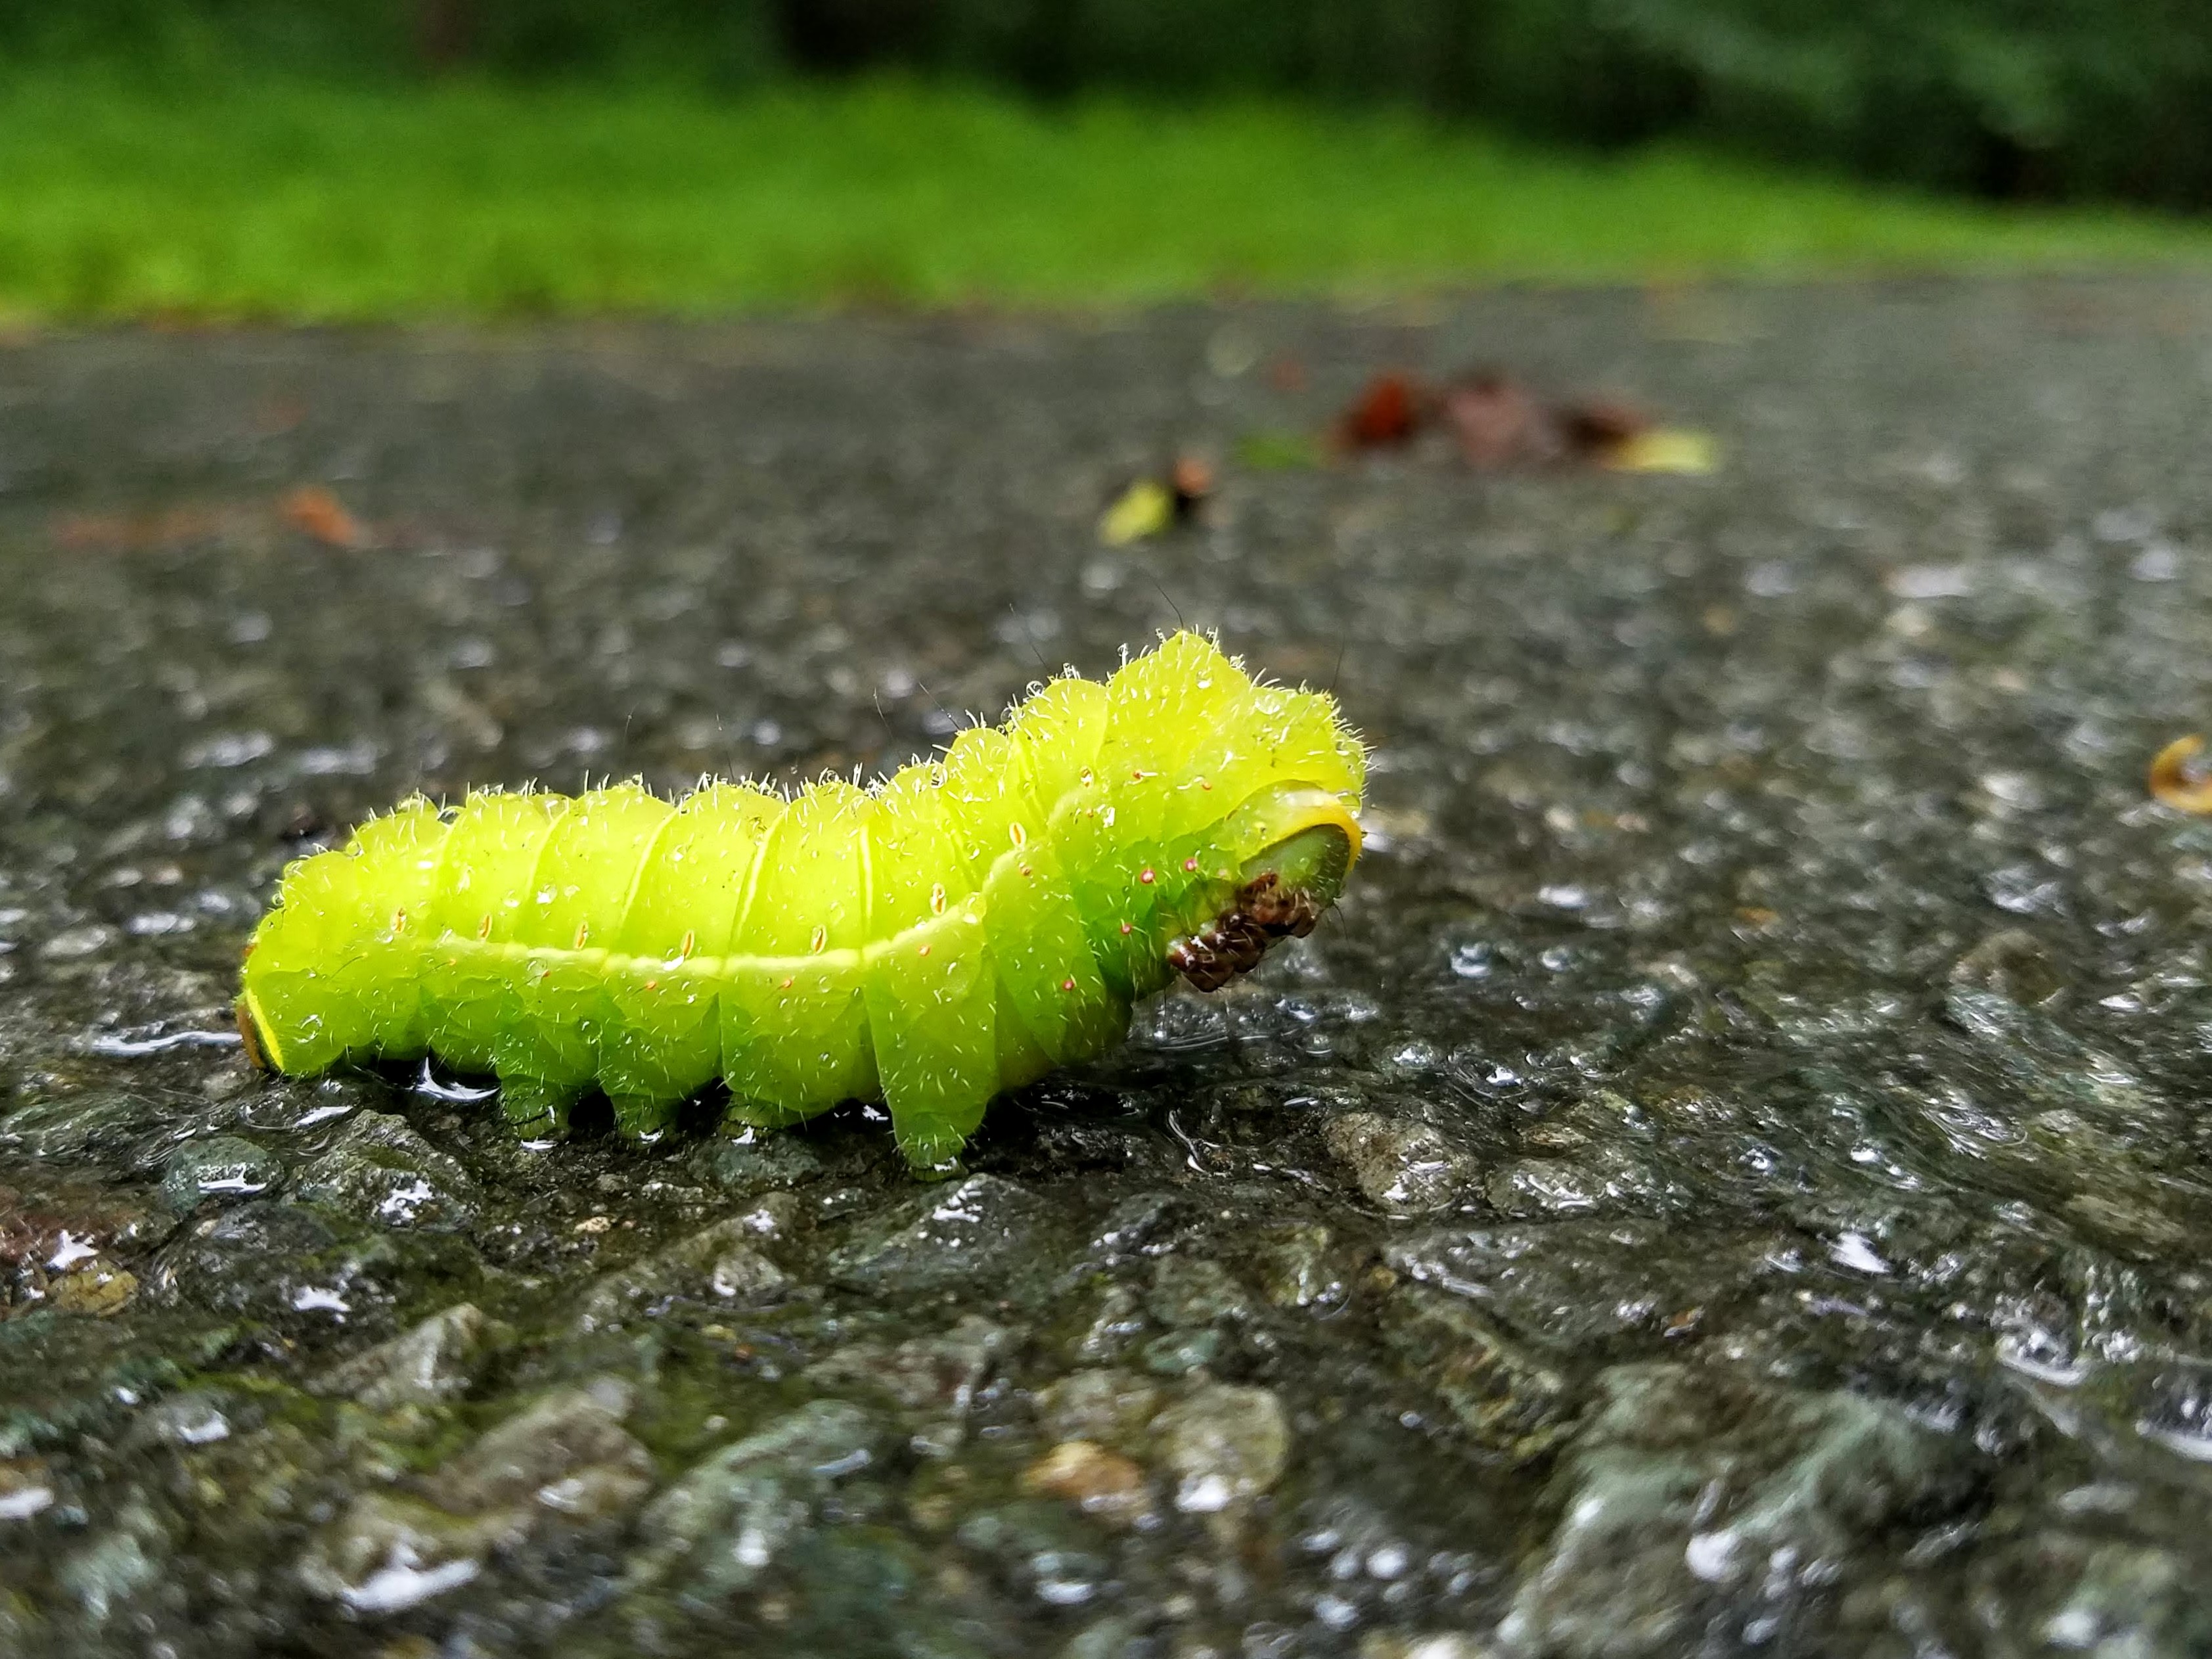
(723, 967)
(264, 1030)
(729, 965)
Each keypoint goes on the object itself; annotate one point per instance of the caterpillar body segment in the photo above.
(961, 928)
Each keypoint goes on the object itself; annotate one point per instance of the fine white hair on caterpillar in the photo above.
(958, 928)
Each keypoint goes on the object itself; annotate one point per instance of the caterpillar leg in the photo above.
(933, 1125)
(771, 1114)
(794, 1042)
(538, 1106)
(542, 1048)
(644, 1117)
(933, 1019)
(664, 1041)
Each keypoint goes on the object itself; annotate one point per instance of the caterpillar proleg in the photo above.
(959, 929)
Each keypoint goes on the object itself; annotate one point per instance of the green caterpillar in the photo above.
(960, 928)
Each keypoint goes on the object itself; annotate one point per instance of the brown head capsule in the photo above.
(1265, 910)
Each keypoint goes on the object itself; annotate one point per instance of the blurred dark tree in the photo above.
(715, 40)
(443, 34)
(2003, 97)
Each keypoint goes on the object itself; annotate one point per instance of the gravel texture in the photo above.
(1728, 1179)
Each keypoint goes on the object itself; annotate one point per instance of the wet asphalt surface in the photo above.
(1730, 1178)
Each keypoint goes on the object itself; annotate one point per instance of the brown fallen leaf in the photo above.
(1100, 1482)
(2177, 784)
(1190, 480)
(1601, 428)
(315, 510)
(1500, 425)
(138, 533)
(1389, 410)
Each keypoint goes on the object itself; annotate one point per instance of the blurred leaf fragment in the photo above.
(313, 509)
(1277, 451)
(1389, 408)
(1498, 424)
(2177, 783)
(1158, 503)
(1664, 449)
(138, 533)
(1144, 508)
(1191, 480)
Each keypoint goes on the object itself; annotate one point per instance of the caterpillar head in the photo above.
(1231, 803)
(1292, 847)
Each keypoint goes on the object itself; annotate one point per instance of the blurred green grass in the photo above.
(306, 201)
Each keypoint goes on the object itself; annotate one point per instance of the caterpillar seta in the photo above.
(959, 929)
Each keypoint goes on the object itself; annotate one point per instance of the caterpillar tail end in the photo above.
(262, 1052)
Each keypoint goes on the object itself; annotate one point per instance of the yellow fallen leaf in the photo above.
(2170, 780)
(1664, 449)
(1145, 508)
(98, 1291)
